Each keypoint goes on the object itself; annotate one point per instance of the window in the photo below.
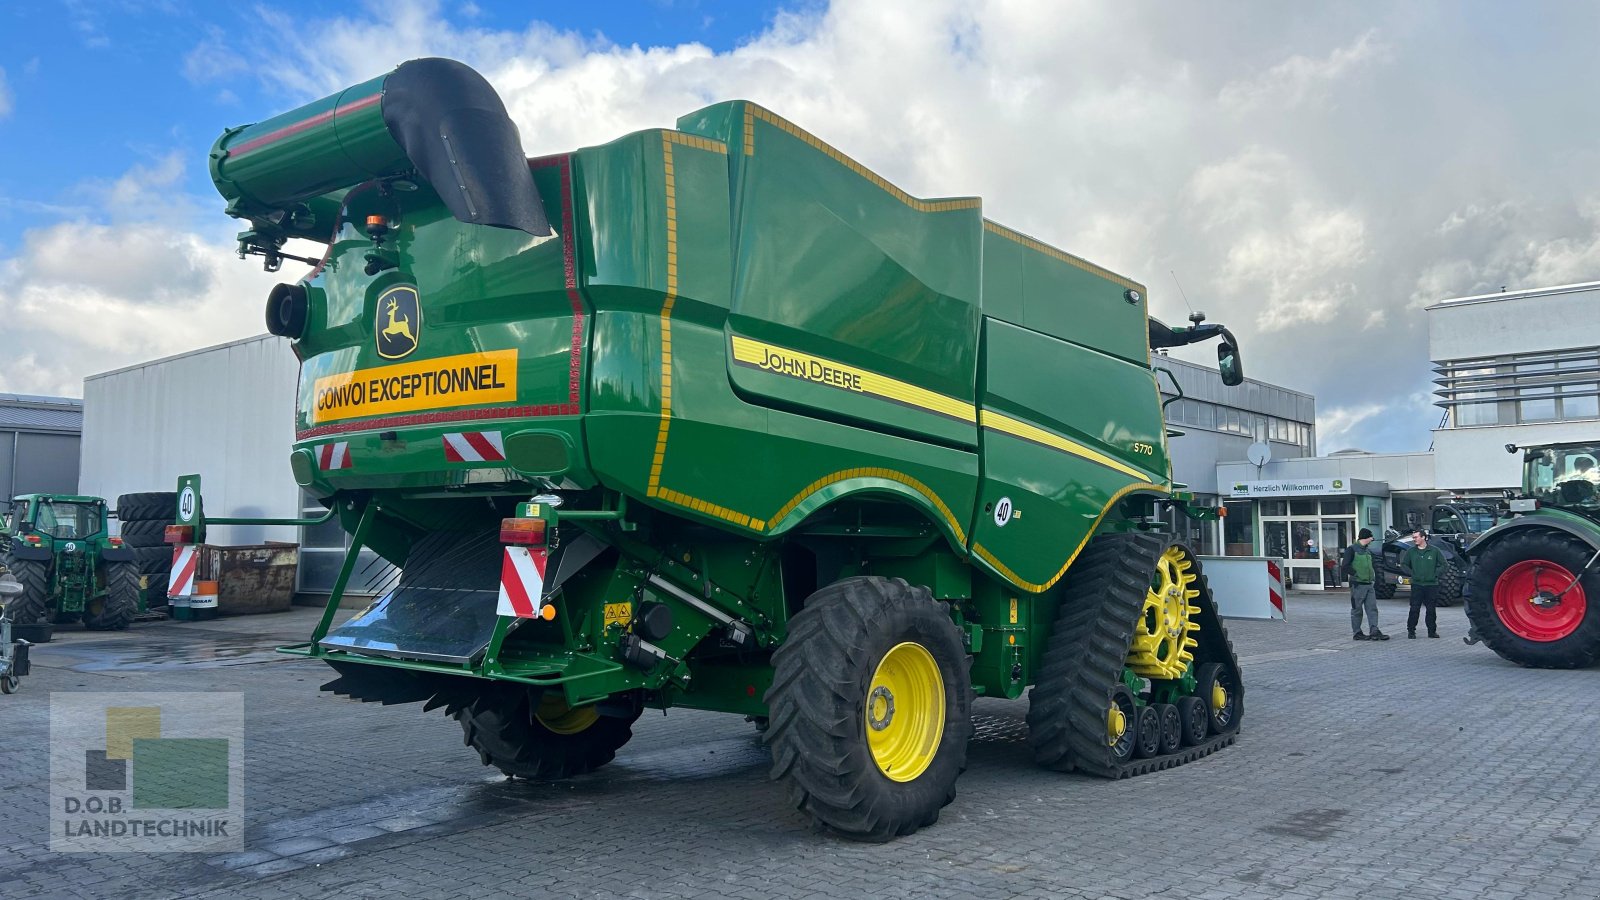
(1201, 415)
(1238, 530)
(1338, 507)
(1302, 507)
(1274, 508)
(1538, 387)
(1543, 410)
(1579, 401)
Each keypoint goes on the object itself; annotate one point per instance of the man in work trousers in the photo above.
(1359, 568)
(1423, 564)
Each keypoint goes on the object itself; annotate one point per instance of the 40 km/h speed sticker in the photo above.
(186, 504)
(1002, 512)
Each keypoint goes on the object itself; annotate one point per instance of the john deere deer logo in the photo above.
(399, 322)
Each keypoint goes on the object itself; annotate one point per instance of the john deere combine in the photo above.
(715, 417)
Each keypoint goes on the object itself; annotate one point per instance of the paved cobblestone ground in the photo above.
(1401, 769)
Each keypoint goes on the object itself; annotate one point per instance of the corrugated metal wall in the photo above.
(41, 464)
(225, 412)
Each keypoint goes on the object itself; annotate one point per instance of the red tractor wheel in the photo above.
(1530, 605)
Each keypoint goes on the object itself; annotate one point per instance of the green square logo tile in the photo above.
(180, 773)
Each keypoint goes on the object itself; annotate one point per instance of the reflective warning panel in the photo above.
(469, 379)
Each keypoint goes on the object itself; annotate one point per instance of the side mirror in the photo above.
(1511, 448)
(1228, 360)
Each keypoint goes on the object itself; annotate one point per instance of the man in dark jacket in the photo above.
(1423, 564)
(1360, 567)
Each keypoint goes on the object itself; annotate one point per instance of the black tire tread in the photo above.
(1578, 650)
(153, 560)
(815, 707)
(1102, 597)
(121, 602)
(144, 533)
(33, 604)
(148, 506)
(499, 724)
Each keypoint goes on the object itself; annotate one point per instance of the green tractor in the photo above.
(70, 567)
(715, 417)
(1535, 584)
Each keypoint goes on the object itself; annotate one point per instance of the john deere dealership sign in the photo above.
(1297, 487)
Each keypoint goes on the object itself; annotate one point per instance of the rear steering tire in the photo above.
(871, 708)
(533, 734)
(1384, 589)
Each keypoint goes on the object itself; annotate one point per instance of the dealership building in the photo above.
(1516, 367)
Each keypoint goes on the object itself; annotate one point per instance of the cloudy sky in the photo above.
(1313, 174)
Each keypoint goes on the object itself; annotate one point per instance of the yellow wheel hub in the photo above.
(1219, 697)
(1116, 725)
(554, 714)
(1163, 637)
(905, 711)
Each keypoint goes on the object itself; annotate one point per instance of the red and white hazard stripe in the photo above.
(180, 583)
(334, 456)
(1275, 587)
(474, 446)
(522, 582)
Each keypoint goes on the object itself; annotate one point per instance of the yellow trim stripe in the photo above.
(1036, 588)
(820, 370)
(653, 487)
(890, 474)
(994, 421)
(1062, 255)
(708, 508)
(699, 143)
(752, 111)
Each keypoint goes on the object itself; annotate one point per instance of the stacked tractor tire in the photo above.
(144, 519)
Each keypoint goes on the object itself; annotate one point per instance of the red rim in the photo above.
(1521, 584)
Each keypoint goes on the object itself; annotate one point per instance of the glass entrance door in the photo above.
(1336, 536)
(1305, 557)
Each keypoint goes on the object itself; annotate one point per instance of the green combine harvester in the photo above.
(715, 417)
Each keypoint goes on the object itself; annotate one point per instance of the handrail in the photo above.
(241, 520)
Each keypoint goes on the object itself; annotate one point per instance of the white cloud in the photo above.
(1300, 78)
(1335, 425)
(5, 95)
(1311, 192)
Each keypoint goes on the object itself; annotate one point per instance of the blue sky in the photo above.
(1314, 173)
(97, 86)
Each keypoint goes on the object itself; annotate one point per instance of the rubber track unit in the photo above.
(1103, 597)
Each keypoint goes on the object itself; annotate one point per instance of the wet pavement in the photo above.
(1402, 769)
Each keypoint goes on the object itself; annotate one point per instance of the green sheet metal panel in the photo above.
(665, 422)
(1063, 295)
(1066, 432)
(852, 299)
(485, 297)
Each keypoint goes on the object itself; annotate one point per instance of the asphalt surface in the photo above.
(1412, 769)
